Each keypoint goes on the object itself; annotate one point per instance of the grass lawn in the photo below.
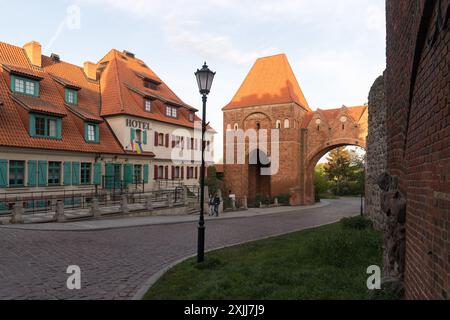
(329, 262)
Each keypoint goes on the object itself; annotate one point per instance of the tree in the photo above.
(338, 168)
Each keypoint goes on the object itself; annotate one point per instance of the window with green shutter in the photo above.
(75, 173)
(54, 173)
(32, 173)
(16, 173)
(3, 173)
(67, 173)
(24, 86)
(86, 173)
(137, 173)
(42, 173)
(71, 96)
(42, 126)
(92, 132)
(97, 173)
(146, 173)
(128, 174)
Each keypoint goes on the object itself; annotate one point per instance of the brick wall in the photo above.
(376, 156)
(418, 142)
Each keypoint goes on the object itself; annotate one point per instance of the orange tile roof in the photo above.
(270, 81)
(110, 95)
(331, 114)
(123, 91)
(14, 124)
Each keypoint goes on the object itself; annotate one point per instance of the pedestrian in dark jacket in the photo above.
(216, 205)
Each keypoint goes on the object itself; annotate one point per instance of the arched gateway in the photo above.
(270, 99)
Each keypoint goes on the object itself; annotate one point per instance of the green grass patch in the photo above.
(329, 262)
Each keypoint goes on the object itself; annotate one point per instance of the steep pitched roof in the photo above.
(123, 91)
(14, 124)
(270, 81)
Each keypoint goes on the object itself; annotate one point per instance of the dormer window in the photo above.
(71, 96)
(191, 117)
(148, 105)
(171, 111)
(24, 86)
(150, 85)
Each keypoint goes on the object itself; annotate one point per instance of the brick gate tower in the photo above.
(271, 98)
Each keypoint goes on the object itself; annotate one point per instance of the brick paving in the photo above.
(116, 263)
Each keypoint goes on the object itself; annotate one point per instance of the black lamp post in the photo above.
(205, 79)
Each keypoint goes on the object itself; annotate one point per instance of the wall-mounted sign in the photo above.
(137, 124)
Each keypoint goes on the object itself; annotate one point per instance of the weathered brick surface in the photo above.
(300, 147)
(376, 156)
(418, 141)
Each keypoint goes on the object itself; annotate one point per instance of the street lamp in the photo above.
(205, 79)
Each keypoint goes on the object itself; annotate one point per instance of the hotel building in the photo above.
(107, 125)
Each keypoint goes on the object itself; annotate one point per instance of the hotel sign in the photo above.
(137, 124)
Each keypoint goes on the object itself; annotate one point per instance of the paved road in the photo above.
(116, 263)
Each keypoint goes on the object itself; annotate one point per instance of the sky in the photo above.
(335, 47)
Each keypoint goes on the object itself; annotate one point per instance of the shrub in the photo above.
(283, 199)
(262, 199)
(359, 223)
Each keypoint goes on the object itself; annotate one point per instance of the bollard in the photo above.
(95, 209)
(59, 212)
(17, 213)
(124, 204)
(244, 203)
(260, 204)
(169, 200)
(185, 195)
(233, 204)
(149, 203)
(276, 202)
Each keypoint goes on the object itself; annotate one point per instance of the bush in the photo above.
(262, 199)
(283, 199)
(359, 223)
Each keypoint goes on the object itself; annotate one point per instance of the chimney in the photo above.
(90, 70)
(33, 50)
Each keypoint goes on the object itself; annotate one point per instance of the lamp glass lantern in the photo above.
(205, 79)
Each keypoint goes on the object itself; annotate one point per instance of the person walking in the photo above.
(211, 205)
(216, 205)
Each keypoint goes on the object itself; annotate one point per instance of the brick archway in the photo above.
(313, 159)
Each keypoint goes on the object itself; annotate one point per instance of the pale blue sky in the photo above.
(336, 47)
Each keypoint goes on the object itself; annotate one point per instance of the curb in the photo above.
(323, 204)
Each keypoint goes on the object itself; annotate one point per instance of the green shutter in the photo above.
(32, 172)
(128, 173)
(132, 134)
(97, 133)
(97, 173)
(36, 88)
(59, 128)
(75, 97)
(67, 173)
(13, 83)
(144, 138)
(42, 166)
(3, 173)
(146, 172)
(109, 173)
(32, 125)
(75, 173)
(86, 132)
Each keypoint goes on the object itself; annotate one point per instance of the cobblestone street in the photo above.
(116, 263)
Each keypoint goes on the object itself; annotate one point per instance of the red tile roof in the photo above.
(111, 95)
(331, 114)
(123, 91)
(14, 124)
(270, 81)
